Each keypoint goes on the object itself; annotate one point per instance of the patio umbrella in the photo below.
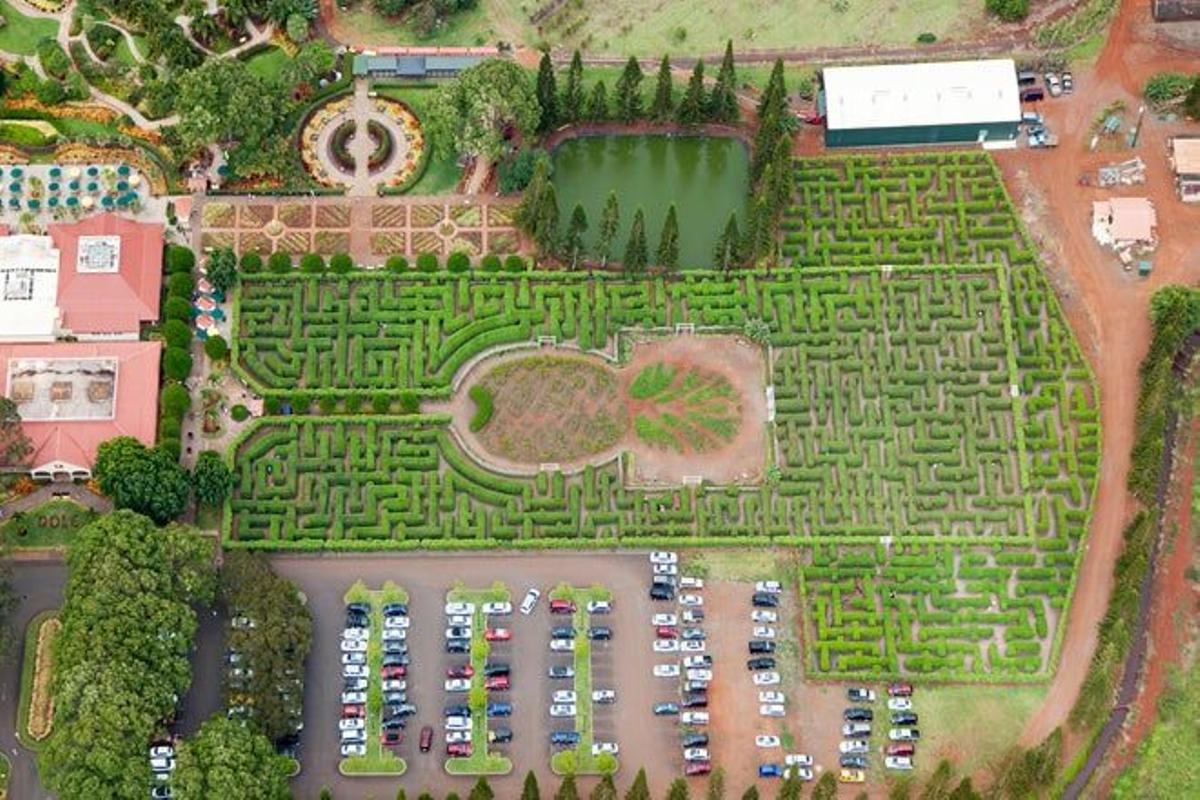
(35, 204)
(203, 286)
(122, 186)
(73, 186)
(72, 201)
(17, 172)
(16, 187)
(205, 304)
(88, 202)
(122, 201)
(135, 180)
(55, 172)
(14, 202)
(218, 314)
(206, 323)
(123, 169)
(92, 186)
(53, 186)
(74, 172)
(52, 202)
(106, 201)
(93, 171)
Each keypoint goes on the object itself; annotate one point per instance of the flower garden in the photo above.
(935, 437)
(398, 142)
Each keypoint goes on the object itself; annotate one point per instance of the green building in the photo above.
(915, 104)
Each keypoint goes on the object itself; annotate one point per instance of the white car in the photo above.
(356, 671)
(460, 608)
(562, 710)
(694, 718)
(699, 675)
(162, 764)
(798, 760)
(693, 600)
(664, 557)
(764, 616)
(854, 747)
(766, 679)
(898, 762)
(453, 737)
(497, 609)
(354, 646)
(395, 634)
(162, 751)
(763, 632)
(354, 698)
(693, 616)
(599, 607)
(692, 646)
(764, 740)
(460, 620)
(664, 619)
(531, 598)
(354, 735)
(664, 645)
(666, 670)
(605, 747)
(347, 658)
(353, 724)
(395, 622)
(900, 704)
(690, 582)
(458, 632)
(768, 587)
(356, 633)
(395, 685)
(458, 685)
(562, 645)
(350, 749)
(666, 569)
(696, 754)
(771, 710)
(698, 662)
(604, 696)
(458, 723)
(771, 697)
(563, 696)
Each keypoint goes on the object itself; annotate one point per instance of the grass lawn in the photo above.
(124, 55)
(52, 524)
(22, 34)
(5, 768)
(970, 725)
(442, 172)
(1168, 760)
(378, 760)
(268, 63)
(583, 763)
(28, 669)
(685, 27)
(480, 762)
(736, 565)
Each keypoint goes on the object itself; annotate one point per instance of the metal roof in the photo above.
(412, 66)
(914, 95)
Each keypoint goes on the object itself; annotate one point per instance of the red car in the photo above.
(562, 607)
(394, 671)
(464, 671)
(426, 738)
(392, 738)
(901, 749)
(497, 634)
(496, 683)
(666, 632)
(460, 749)
(900, 690)
(697, 768)
(354, 712)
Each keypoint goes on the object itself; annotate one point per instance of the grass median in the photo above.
(480, 762)
(579, 760)
(379, 760)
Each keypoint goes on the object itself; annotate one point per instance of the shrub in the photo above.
(327, 403)
(279, 262)
(181, 284)
(381, 403)
(251, 262)
(1008, 10)
(216, 348)
(271, 404)
(515, 263)
(490, 263)
(341, 263)
(458, 261)
(239, 413)
(178, 309)
(397, 264)
(300, 402)
(174, 401)
(180, 259)
(353, 403)
(515, 173)
(177, 363)
(169, 428)
(170, 446)
(176, 333)
(409, 402)
(483, 407)
(427, 262)
(312, 263)
(926, 38)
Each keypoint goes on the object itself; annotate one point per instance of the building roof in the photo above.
(110, 274)
(416, 65)
(915, 95)
(1185, 152)
(28, 288)
(1129, 219)
(118, 381)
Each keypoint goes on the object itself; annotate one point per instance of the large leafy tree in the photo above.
(226, 760)
(629, 91)
(310, 62)
(211, 479)
(223, 101)
(473, 113)
(121, 658)
(15, 446)
(142, 479)
(222, 269)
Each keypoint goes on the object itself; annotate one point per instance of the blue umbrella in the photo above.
(106, 200)
(93, 186)
(55, 172)
(14, 202)
(122, 201)
(72, 201)
(73, 186)
(123, 169)
(35, 204)
(17, 172)
(93, 171)
(16, 187)
(52, 202)
(53, 186)
(122, 186)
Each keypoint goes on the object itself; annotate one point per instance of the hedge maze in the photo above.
(936, 434)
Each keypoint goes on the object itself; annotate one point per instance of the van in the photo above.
(1026, 78)
(1032, 95)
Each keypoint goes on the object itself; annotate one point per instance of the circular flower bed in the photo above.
(339, 145)
(310, 135)
(382, 140)
(413, 148)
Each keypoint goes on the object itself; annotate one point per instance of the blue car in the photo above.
(770, 771)
(564, 737)
(499, 709)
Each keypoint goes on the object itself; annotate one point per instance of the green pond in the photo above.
(705, 177)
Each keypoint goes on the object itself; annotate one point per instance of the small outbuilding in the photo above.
(1185, 161)
(1125, 222)
(412, 67)
(947, 102)
(1175, 10)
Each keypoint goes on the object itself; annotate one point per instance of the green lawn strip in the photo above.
(583, 763)
(480, 762)
(378, 760)
(52, 524)
(5, 768)
(989, 717)
(27, 670)
(22, 34)
(269, 63)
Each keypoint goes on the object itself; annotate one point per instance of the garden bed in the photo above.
(35, 712)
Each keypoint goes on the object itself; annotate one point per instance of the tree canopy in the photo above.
(211, 479)
(15, 446)
(223, 101)
(226, 760)
(473, 113)
(146, 480)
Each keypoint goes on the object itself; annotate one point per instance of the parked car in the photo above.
(350, 724)
(772, 697)
(395, 610)
(460, 608)
(497, 634)
(766, 740)
(500, 735)
(900, 749)
(695, 699)
(499, 709)
(766, 678)
(693, 634)
(600, 633)
(694, 718)
(530, 600)
(497, 609)
(394, 634)
(759, 646)
(900, 690)
(691, 582)
(904, 734)
(771, 710)
(426, 740)
(764, 600)
(693, 646)
(698, 662)
(695, 740)
(660, 592)
(659, 620)
(904, 718)
(496, 668)
(1052, 84)
(350, 646)
(351, 749)
(564, 738)
(856, 730)
(562, 645)
(456, 710)
(898, 762)
(459, 750)
(859, 694)
(769, 587)
(599, 606)
(665, 709)
(605, 747)
(858, 714)
(691, 600)
(562, 710)
(347, 658)
(561, 672)
(665, 569)
(359, 698)
(899, 704)
(391, 673)
(760, 663)
(1068, 83)
(392, 738)
(666, 670)
(354, 685)
(854, 747)
(458, 646)
(853, 762)
(604, 697)
(696, 754)
(763, 616)
(763, 632)
(460, 620)
(458, 632)
(695, 686)
(696, 768)
(356, 671)
(666, 632)
(562, 632)
(395, 623)
(497, 683)
(665, 646)
(457, 685)
(562, 606)
(693, 616)
(460, 671)
(457, 723)
(664, 557)
(770, 771)
(563, 696)
(798, 760)
(699, 675)
(852, 776)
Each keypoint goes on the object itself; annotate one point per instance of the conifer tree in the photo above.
(668, 243)
(723, 104)
(576, 227)
(610, 221)
(629, 91)
(640, 790)
(547, 94)
(664, 93)
(636, 254)
(573, 97)
(597, 105)
(530, 790)
(727, 252)
(691, 108)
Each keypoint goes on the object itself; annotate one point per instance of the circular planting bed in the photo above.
(382, 145)
(339, 145)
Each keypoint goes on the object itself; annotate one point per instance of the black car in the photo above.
(695, 700)
(395, 698)
(564, 737)
(358, 608)
(856, 714)
(457, 711)
(760, 646)
(491, 670)
(407, 710)
(394, 724)
(853, 762)
(904, 718)
(760, 663)
(562, 632)
(561, 672)
(765, 600)
(395, 660)
(600, 632)
(356, 620)
(458, 645)
(289, 746)
(695, 740)
(502, 735)
(395, 610)
(660, 592)
(693, 634)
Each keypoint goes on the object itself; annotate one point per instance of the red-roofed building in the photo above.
(109, 275)
(74, 395)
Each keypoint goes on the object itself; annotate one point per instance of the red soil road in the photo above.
(1106, 307)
